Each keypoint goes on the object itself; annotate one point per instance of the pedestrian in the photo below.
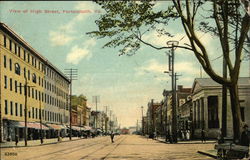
(203, 137)
(112, 137)
(16, 139)
(188, 135)
(244, 140)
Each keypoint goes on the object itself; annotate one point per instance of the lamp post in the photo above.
(173, 45)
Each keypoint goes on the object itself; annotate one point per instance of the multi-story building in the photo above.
(46, 93)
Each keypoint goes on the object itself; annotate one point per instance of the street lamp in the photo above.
(173, 45)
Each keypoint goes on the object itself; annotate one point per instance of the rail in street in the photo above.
(131, 147)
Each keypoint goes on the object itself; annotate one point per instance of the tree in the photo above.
(126, 22)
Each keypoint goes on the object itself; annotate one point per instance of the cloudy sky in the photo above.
(124, 83)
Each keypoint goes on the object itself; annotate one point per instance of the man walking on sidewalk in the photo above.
(112, 137)
(203, 137)
(16, 139)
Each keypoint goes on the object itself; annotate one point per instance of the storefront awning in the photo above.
(87, 128)
(54, 126)
(76, 128)
(34, 125)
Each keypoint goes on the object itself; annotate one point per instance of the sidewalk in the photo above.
(211, 153)
(36, 142)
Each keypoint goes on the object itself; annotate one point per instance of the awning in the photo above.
(34, 125)
(54, 126)
(76, 128)
(87, 128)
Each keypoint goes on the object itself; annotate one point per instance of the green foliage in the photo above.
(126, 21)
(78, 100)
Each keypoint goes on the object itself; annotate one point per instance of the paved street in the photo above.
(125, 147)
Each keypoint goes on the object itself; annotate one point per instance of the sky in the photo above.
(123, 83)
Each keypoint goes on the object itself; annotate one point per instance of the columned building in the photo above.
(207, 106)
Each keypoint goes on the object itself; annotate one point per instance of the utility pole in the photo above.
(40, 116)
(25, 108)
(96, 99)
(142, 123)
(72, 75)
(110, 120)
(106, 120)
(173, 45)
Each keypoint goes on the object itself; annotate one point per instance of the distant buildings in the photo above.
(197, 107)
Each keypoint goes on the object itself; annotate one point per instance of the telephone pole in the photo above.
(96, 99)
(173, 45)
(25, 108)
(72, 75)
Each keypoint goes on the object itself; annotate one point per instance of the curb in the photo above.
(39, 144)
(207, 154)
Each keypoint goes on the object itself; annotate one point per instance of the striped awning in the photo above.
(54, 126)
(33, 125)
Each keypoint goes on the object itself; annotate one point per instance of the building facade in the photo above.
(29, 81)
(207, 106)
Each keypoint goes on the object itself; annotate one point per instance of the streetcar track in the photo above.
(84, 157)
(113, 149)
(67, 149)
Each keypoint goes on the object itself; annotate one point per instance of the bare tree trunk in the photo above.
(235, 108)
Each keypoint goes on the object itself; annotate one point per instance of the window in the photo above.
(16, 105)
(21, 110)
(32, 90)
(28, 58)
(28, 91)
(4, 61)
(32, 62)
(10, 64)
(39, 80)
(6, 107)
(36, 113)
(5, 41)
(15, 48)
(24, 72)
(33, 112)
(17, 69)
(10, 45)
(11, 108)
(34, 77)
(19, 51)
(16, 86)
(213, 120)
(5, 82)
(28, 74)
(36, 94)
(20, 86)
(24, 55)
(29, 114)
(10, 84)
